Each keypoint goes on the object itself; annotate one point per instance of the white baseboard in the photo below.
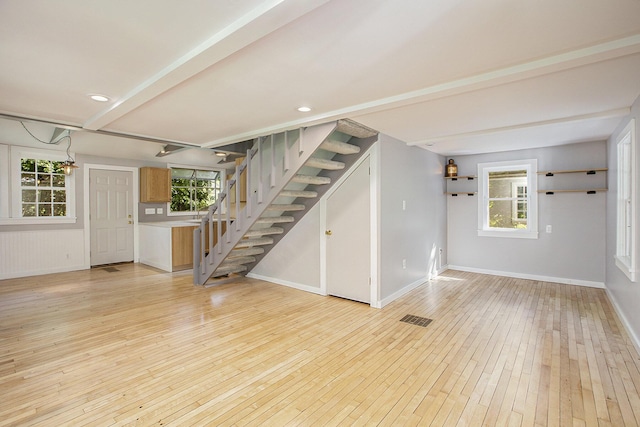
(401, 292)
(294, 285)
(627, 326)
(561, 280)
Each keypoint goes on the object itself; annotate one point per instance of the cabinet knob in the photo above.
(328, 233)
(130, 222)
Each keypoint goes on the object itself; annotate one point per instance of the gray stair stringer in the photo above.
(349, 160)
(201, 273)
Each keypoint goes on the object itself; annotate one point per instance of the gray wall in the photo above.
(418, 233)
(572, 253)
(624, 293)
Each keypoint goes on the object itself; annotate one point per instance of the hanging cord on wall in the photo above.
(69, 164)
(57, 141)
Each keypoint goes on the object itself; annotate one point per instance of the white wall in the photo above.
(572, 253)
(295, 260)
(416, 234)
(623, 293)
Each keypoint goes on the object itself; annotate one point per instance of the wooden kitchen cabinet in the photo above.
(182, 245)
(155, 185)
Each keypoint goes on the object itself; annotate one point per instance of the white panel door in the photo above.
(111, 210)
(348, 237)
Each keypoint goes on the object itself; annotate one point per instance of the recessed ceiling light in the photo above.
(304, 109)
(99, 98)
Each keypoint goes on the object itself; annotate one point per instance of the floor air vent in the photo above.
(416, 320)
(110, 269)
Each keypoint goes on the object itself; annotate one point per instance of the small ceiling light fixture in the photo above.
(99, 98)
(304, 109)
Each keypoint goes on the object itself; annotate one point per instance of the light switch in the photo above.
(548, 229)
(149, 211)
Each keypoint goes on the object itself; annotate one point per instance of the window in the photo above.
(626, 203)
(41, 192)
(193, 190)
(43, 188)
(507, 202)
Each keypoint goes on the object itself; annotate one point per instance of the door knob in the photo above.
(328, 233)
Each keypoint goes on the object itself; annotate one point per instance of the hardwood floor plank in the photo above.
(141, 347)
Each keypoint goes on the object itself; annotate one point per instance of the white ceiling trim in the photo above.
(619, 112)
(555, 63)
(270, 16)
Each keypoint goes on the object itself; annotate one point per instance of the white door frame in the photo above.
(373, 155)
(87, 209)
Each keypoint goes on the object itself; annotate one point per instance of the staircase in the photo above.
(285, 174)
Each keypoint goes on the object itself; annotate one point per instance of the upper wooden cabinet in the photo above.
(155, 185)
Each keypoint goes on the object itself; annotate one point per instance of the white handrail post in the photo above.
(247, 190)
(286, 150)
(300, 142)
(260, 190)
(273, 163)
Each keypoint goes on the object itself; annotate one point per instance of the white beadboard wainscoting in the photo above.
(30, 253)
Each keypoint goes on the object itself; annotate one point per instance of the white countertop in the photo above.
(171, 224)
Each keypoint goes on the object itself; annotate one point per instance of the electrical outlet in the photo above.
(548, 229)
(159, 210)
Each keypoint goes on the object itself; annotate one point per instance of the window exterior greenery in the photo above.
(194, 190)
(507, 202)
(43, 188)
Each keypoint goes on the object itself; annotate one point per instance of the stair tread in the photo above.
(228, 269)
(238, 261)
(310, 179)
(247, 243)
(355, 129)
(279, 207)
(250, 251)
(275, 219)
(298, 193)
(264, 231)
(315, 162)
(339, 147)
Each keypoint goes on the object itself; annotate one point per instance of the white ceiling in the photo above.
(452, 76)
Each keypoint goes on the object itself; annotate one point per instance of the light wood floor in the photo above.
(137, 347)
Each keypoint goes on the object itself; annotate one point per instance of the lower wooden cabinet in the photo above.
(182, 245)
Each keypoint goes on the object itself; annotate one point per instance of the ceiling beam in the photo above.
(619, 112)
(268, 17)
(555, 63)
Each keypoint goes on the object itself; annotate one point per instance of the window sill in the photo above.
(511, 234)
(38, 221)
(623, 265)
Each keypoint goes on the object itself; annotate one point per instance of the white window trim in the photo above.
(223, 179)
(4, 182)
(16, 217)
(514, 203)
(627, 264)
(531, 232)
